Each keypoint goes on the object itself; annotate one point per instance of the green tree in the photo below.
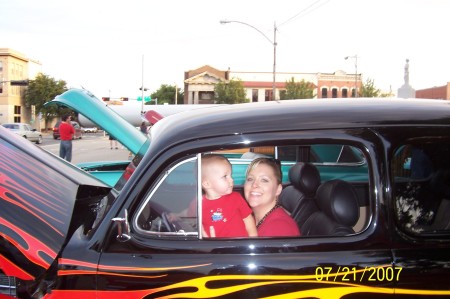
(166, 95)
(298, 90)
(368, 89)
(44, 89)
(231, 92)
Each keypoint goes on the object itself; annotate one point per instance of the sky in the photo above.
(114, 47)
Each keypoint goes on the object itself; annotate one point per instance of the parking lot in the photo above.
(92, 147)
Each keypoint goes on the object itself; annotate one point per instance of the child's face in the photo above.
(217, 180)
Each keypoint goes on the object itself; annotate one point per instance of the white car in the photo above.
(25, 131)
(89, 130)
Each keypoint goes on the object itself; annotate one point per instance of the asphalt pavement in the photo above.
(93, 147)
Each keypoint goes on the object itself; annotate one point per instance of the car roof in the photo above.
(299, 114)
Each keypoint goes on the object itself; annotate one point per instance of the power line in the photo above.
(312, 7)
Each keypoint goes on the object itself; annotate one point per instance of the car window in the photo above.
(421, 174)
(171, 207)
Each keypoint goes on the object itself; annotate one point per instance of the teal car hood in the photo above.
(85, 103)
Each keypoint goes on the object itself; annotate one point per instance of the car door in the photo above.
(420, 170)
(28, 131)
(154, 256)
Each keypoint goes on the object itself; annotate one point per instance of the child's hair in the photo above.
(273, 163)
(209, 158)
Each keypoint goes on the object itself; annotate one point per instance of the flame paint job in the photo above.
(235, 285)
(36, 204)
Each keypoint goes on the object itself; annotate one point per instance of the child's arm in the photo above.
(212, 232)
(250, 226)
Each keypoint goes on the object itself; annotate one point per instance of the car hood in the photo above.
(85, 103)
(39, 193)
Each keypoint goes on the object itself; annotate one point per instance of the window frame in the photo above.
(308, 140)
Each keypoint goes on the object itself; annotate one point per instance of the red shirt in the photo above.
(226, 215)
(66, 131)
(278, 224)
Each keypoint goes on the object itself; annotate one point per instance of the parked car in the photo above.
(78, 133)
(25, 131)
(382, 233)
(89, 130)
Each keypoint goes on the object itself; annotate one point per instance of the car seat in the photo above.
(298, 197)
(338, 210)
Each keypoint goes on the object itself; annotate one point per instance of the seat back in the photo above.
(338, 210)
(298, 197)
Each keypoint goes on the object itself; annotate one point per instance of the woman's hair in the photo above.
(273, 163)
(65, 117)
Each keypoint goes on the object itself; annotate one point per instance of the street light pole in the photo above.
(142, 86)
(274, 90)
(356, 72)
(273, 43)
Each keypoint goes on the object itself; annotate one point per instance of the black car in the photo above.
(383, 232)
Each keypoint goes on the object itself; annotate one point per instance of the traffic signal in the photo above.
(19, 82)
(105, 99)
(124, 99)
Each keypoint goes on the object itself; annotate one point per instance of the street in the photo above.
(91, 148)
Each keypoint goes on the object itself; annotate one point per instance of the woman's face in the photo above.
(261, 187)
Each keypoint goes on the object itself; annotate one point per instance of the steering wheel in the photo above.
(170, 225)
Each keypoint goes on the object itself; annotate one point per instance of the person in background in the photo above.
(144, 128)
(261, 190)
(112, 141)
(66, 132)
(225, 213)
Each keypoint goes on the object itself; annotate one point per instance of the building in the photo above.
(15, 66)
(437, 92)
(199, 84)
(338, 85)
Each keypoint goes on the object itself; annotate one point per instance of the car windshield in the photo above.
(11, 126)
(106, 203)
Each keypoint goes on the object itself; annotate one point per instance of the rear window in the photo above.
(421, 173)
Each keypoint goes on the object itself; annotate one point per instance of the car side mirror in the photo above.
(123, 227)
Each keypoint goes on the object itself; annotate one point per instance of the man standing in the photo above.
(66, 132)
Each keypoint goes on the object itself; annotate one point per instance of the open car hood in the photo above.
(38, 195)
(85, 103)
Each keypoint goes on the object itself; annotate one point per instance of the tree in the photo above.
(231, 92)
(166, 95)
(298, 90)
(44, 89)
(368, 89)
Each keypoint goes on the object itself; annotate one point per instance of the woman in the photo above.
(261, 189)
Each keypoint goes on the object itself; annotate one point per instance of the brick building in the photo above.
(199, 84)
(437, 92)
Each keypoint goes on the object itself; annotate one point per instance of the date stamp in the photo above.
(354, 274)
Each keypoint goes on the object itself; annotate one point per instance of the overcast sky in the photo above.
(103, 45)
